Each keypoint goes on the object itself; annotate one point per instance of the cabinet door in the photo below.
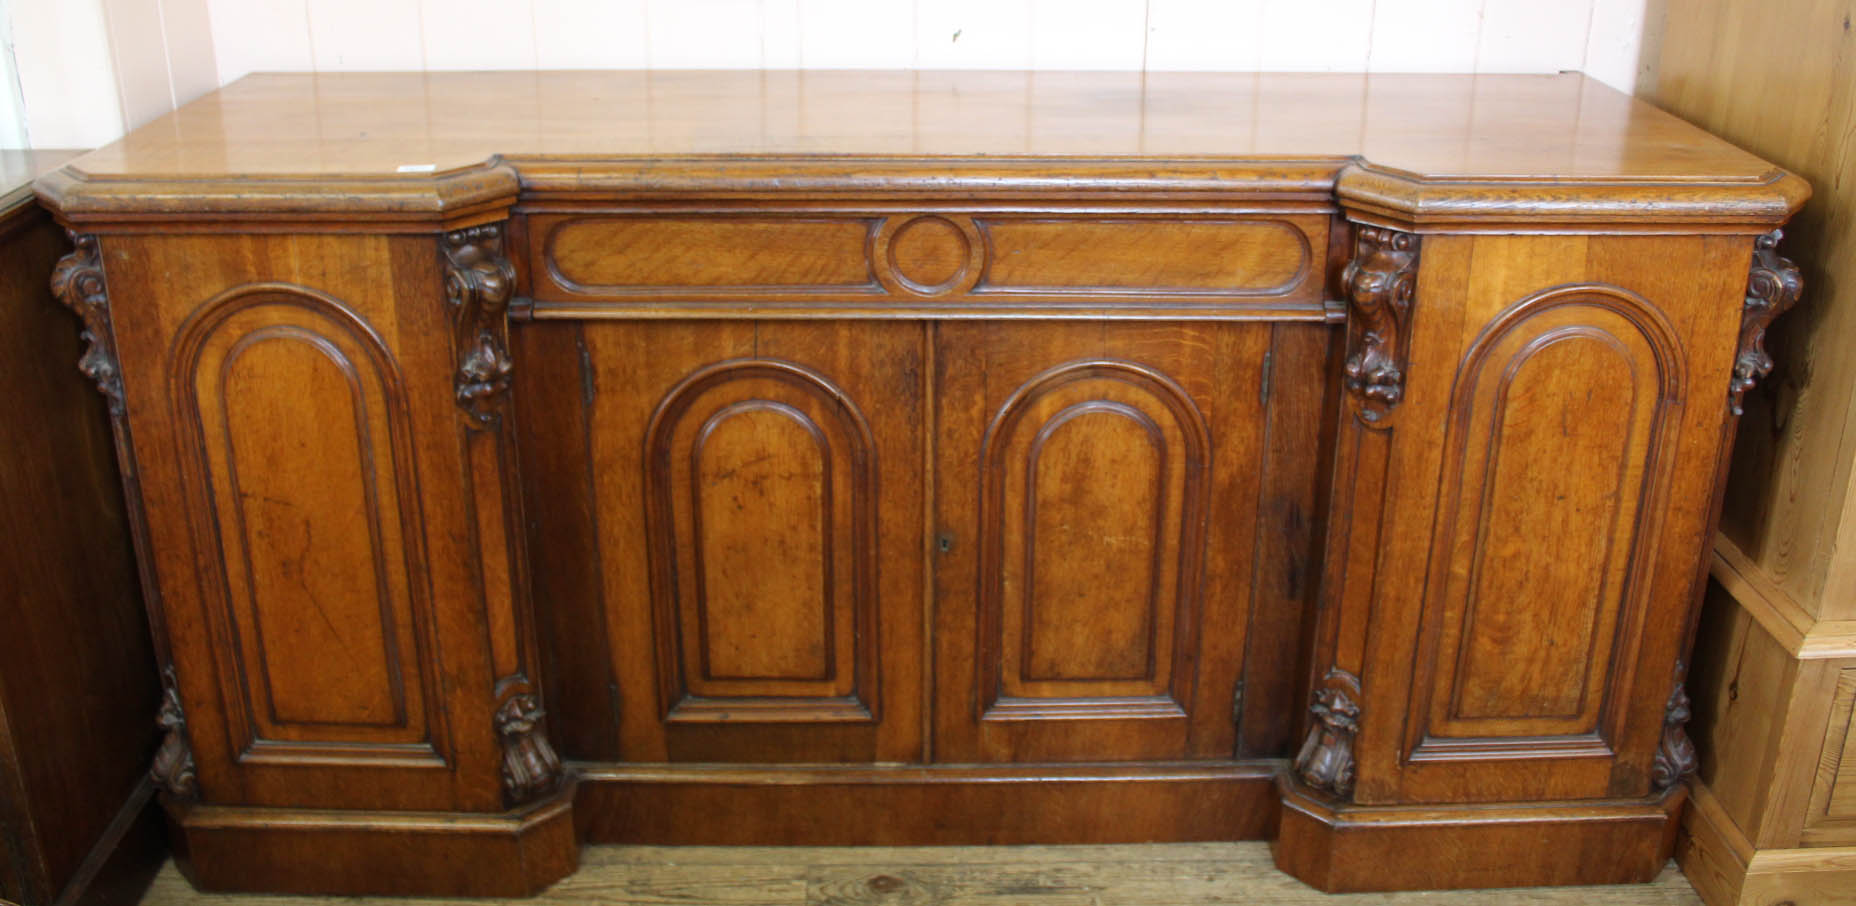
(759, 503)
(326, 534)
(1095, 492)
(1512, 559)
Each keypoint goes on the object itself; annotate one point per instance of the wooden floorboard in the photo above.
(1183, 874)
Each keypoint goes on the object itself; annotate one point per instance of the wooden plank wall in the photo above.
(1778, 78)
(1774, 675)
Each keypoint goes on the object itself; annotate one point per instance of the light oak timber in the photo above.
(1831, 819)
(1725, 868)
(1711, 849)
(1783, 618)
(1720, 66)
(1755, 705)
(925, 457)
(1778, 639)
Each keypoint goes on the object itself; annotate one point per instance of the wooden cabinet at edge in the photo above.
(77, 680)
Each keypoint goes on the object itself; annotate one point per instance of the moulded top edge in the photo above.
(419, 144)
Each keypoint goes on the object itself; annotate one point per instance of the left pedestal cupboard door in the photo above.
(330, 527)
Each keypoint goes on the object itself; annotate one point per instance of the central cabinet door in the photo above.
(762, 499)
(1094, 491)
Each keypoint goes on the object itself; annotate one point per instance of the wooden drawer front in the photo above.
(627, 256)
(1192, 258)
(1247, 262)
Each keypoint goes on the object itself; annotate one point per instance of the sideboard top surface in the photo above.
(445, 142)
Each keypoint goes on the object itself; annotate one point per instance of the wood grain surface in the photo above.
(1150, 875)
(377, 123)
(1772, 687)
(413, 146)
(1780, 79)
(77, 681)
(907, 423)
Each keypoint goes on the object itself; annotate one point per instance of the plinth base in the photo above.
(1344, 848)
(269, 850)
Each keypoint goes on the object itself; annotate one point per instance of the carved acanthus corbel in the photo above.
(1675, 755)
(479, 282)
(1326, 759)
(1772, 288)
(172, 770)
(77, 282)
(1379, 281)
(530, 767)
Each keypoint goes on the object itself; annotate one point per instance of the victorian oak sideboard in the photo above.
(522, 459)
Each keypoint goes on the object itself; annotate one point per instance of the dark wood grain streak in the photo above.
(556, 397)
(1286, 560)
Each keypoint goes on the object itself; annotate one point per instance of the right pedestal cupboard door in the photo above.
(1539, 497)
(1085, 474)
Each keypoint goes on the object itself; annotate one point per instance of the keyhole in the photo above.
(944, 541)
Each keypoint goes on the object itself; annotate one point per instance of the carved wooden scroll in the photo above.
(1326, 759)
(530, 767)
(1772, 288)
(1675, 754)
(1379, 280)
(77, 282)
(479, 282)
(173, 771)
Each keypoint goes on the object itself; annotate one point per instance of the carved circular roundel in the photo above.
(929, 255)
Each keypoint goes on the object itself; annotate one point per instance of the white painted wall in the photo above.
(159, 53)
(88, 70)
(12, 103)
(66, 78)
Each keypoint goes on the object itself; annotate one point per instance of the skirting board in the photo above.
(1725, 869)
